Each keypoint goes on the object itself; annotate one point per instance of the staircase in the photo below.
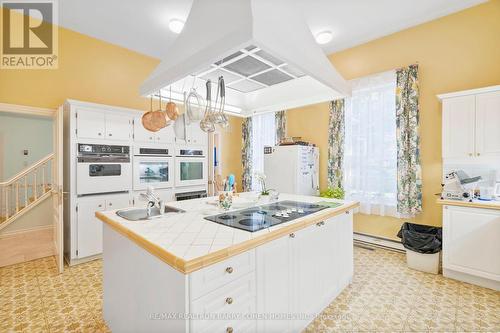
(25, 190)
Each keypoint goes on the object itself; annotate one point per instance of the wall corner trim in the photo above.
(28, 110)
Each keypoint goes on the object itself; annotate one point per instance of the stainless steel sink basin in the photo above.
(141, 214)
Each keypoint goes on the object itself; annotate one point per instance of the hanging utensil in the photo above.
(147, 118)
(206, 124)
(220, 118)
(172, 110)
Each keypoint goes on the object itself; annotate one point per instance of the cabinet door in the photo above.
(166, 135)
(304, 275)
(140, 133)
(470, 241)
(328, 256)
(89, 228)
(274, 284)
(118, 201)
(118, 126)
(346, 248)
(488, 124)
(458, 127)
(194, 135)
(90, 123)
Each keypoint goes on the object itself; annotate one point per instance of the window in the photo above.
(370, 156)
(263, 134)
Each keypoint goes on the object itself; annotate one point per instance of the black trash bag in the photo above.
(421, 238)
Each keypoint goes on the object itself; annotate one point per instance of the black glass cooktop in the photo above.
(265, 216)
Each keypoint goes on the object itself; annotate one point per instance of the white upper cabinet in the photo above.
(90, 123)
(118, 126)
(165, 135)
(470, 124)
(458, 127)
(94, 123)
(488, 124)
(195, 135)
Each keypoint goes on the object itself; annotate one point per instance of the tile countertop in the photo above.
(188, 242)
(473, 204)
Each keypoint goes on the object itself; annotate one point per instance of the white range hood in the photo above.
(264, 50)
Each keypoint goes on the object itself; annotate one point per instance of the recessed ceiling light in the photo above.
(324, 37)
(176, 25)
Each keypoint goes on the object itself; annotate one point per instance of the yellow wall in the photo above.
(95, 71)
(457, 52)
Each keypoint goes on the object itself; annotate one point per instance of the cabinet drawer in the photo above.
(224, 306)
(210, 278)
(225, 326)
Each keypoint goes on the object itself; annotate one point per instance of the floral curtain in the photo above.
(336, 144)
(408, 141)
(280, 123)
(246, 154)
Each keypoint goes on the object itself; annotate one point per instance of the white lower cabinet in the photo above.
(89, 228)
(300, 274)
(471, 247)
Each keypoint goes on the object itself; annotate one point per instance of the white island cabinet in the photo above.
(273, 280)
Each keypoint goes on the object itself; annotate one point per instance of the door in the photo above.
(305, 275)
(90, 123)
(166, 135)
(118, 127)
(140, 133)
(118, 201)
(328, 254)
(470, 241)
(153, 171)
(274, 284)
(458, 127)
(190, 171)
(195, 135)
(57, 188)
(89, 228)
(488, 124)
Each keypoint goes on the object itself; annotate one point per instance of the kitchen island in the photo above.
(184, 273)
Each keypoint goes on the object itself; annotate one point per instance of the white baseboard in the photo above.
(476, 280)
(381, 242)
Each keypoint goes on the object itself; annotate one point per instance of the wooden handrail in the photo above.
(28, 170)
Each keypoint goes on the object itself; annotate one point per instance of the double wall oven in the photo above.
(102, 169)
(190, 166)
(153, 166)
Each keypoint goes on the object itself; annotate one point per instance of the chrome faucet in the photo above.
(153, 200)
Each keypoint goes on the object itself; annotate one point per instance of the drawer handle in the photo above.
(229, 330)
(110, 134)
(99, 206)
(347, 212)
(110, 204)
(319, 224)
(229, 270)
(229, 300)
(292, 235)
(99, 134)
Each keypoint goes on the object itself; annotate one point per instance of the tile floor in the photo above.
(385, 297)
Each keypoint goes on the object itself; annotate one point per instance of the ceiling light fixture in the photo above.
(176, 25)
(324, 37)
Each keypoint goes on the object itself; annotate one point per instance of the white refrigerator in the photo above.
(292, 169)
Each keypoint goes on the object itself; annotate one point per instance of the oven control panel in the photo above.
(92, 149)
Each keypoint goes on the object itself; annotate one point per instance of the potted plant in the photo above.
(333, 193)
(264, 191)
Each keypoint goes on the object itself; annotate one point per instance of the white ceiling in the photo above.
(142, 26)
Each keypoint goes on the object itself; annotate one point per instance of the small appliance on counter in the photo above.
(459, 186)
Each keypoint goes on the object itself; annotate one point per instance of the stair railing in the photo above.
(24, 189)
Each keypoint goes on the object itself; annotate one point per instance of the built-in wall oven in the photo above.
(190, 166)
(102, 169)
(153, 167)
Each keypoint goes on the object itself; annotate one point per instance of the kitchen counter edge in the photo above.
(475, 204)
(189, 266)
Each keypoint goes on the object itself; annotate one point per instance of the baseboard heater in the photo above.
(365, 240)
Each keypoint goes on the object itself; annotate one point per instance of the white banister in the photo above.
(35, 177)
